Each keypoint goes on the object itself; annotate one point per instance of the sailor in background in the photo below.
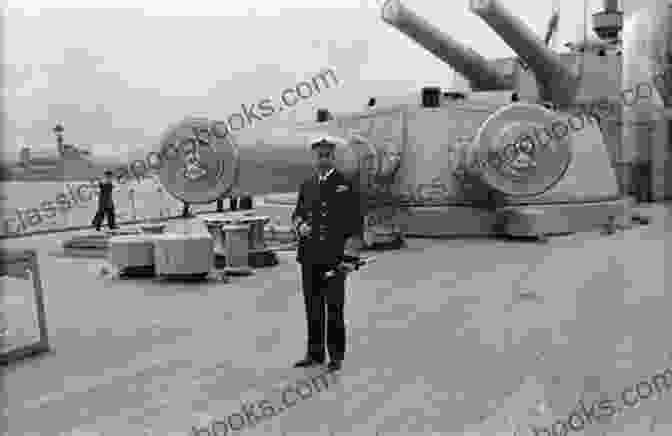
(328, 220)
(186, 212)
(105, 203)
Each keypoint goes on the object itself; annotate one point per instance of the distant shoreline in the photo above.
(256, 178)
(39, 178)
(8, 173)
(253, 161)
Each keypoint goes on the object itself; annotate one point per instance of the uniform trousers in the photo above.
(107, 212)
(642, 182)
(322, 293)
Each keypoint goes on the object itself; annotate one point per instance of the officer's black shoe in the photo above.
(308, 362)
(335, 365)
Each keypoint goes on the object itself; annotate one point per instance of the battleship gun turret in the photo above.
(479, 164)
(475, 165)
(556, 82)
(480, 73)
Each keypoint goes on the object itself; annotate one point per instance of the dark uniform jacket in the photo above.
(333, 210)
(105, 195)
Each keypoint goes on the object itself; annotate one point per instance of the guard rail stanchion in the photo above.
(131, 199)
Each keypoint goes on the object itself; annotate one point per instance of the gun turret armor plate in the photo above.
(199, 165)
(523, 150)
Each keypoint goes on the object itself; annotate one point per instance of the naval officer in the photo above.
(327, 219)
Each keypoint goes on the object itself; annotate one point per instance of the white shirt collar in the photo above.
(324, 177)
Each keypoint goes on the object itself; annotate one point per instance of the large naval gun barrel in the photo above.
(557, 83)
(480, 73)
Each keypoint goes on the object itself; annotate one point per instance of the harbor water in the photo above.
(27, 207)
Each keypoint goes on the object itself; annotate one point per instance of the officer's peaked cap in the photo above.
(326, 141)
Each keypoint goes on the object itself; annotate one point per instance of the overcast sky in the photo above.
(116, 76)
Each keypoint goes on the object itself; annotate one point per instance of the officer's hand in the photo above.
(304, 229)
(354, 245)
